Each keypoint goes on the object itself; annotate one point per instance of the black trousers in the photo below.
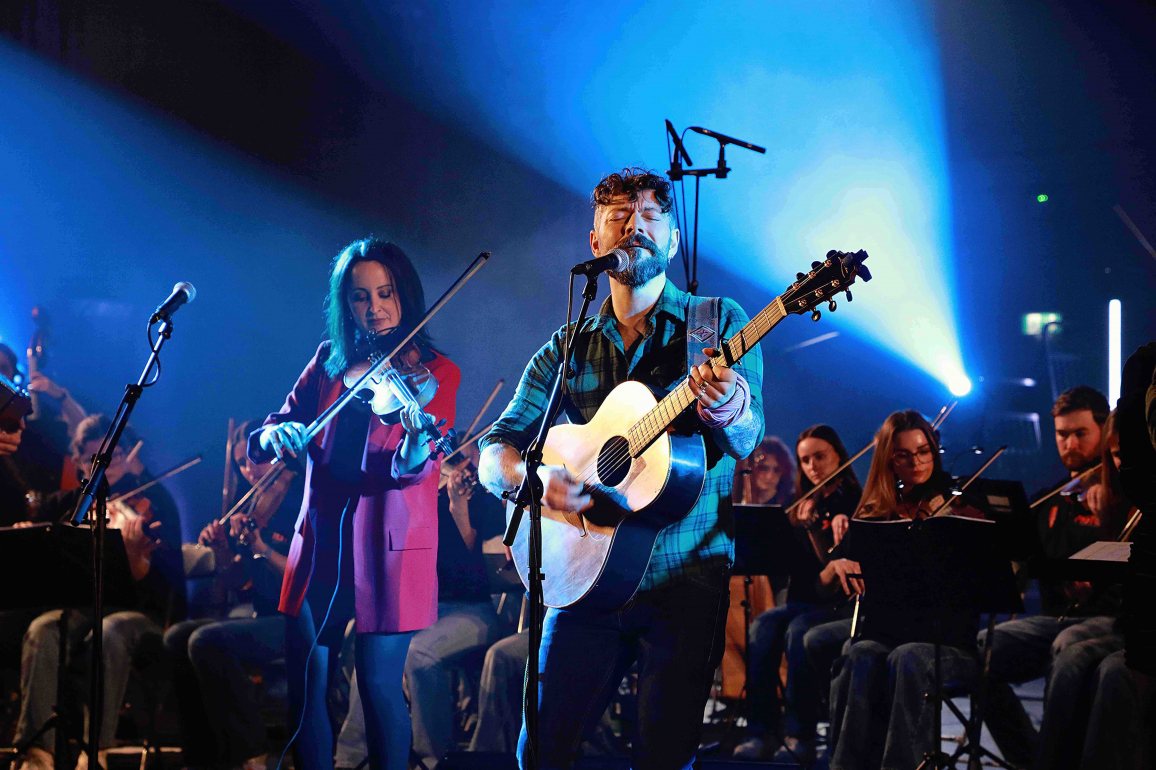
(675, 632)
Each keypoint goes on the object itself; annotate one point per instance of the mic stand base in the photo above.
(529, 494)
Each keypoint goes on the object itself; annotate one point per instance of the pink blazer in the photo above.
(395, 523)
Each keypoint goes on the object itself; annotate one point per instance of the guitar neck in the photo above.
(643, 433)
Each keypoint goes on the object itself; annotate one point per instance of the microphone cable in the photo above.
(317, 632)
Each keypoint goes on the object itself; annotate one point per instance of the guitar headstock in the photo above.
(826, 279)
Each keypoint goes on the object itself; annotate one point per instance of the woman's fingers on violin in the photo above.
(839, 526)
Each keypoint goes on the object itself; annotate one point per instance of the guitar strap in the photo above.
(702, 319)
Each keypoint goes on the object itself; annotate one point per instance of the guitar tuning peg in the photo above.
(800, 276)
(816, 315)
(848, 295)
(816, 265)
(831, 306)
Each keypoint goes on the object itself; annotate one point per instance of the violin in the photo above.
(401, 383)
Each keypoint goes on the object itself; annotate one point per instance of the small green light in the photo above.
(1042, 198)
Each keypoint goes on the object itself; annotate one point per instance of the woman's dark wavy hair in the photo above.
(828, 434)
(348, 343)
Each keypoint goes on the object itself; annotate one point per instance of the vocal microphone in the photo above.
(183, 293)
(614, 260)
(724, 139)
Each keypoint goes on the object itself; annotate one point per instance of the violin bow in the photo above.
(957, 492)
(167, 474)
(327, 416)
(466, 442)
(1065, 485)
(485, 406)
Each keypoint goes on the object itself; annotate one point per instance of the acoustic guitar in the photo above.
(642, 476)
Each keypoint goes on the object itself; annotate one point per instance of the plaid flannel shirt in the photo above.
(702, 543)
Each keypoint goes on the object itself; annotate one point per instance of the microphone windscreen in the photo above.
(187, 288)
(623, 260)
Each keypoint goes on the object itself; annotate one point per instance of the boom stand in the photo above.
(96, 492)
(530, 494)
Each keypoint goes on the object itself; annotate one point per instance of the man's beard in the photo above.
(646, 261)
(1074, 461)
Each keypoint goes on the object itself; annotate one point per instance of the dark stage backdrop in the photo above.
(239, 146)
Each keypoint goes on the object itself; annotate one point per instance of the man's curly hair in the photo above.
(631, 182)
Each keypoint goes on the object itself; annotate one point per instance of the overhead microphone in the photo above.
(614, 261)
(183, 293)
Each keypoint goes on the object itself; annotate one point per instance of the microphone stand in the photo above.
(677, 172)
(95, 495)
(529, 495)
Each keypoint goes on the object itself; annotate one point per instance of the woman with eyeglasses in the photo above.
(889, 668)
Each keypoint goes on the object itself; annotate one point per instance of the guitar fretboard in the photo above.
(643, 433)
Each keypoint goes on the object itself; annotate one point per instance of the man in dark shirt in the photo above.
(1026, 648)
(467, 621)
(151, 535)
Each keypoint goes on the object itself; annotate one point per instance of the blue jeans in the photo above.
(500, 695)
(675, 632)
(1068, 699)
(777, 631)
(1022, 650)
(218, 703)
(380, 664)
(882, 691)
(462, 628)
(123, 633)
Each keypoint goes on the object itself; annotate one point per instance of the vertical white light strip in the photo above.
(1114, 346)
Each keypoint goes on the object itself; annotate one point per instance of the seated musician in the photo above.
(365, 545)
(781, 630)
(1026, 648)
(467, 623)
(1082, 680)
(43, 458)
(150, 528)
(880, 713)
(34, 458)
(767, 477)
(221, 722)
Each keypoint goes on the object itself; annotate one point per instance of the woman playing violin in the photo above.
(888, 668)
(365, 544)
(781, 630)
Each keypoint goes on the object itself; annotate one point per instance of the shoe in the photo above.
(795, 750)
(37, 759)
(753, 748)
(101, 759)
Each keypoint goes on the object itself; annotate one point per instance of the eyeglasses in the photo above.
(923, 454)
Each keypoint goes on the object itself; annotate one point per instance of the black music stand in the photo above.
(765, 544)
(943, 563)
(52, 563)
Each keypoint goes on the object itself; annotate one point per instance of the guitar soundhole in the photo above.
(614, 461)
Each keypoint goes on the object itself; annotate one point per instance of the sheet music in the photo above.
(1105, 550)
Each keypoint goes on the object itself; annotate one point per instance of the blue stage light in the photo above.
(847, 99)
